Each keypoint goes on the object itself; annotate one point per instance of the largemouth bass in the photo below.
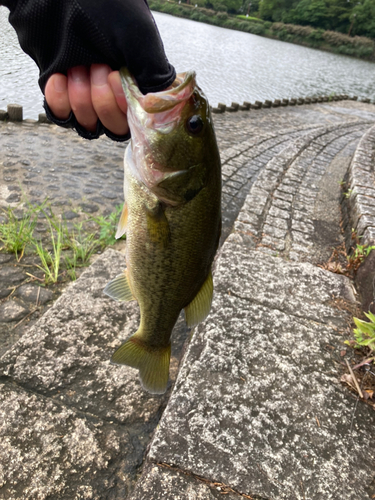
(171, 217)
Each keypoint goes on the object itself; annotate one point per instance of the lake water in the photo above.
(230, 66)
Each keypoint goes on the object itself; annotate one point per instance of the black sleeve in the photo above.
(61, 34)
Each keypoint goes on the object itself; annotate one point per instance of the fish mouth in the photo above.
(156, 111)
(159, 102)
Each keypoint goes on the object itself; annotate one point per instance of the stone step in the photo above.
(293, 206)
(66, 411)
(258, 407)
(358, 207)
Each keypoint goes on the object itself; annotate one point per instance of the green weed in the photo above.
(63, 249)
(17, 233)
(50, 260)
(364, 334)
(82, 244)
(107, 226)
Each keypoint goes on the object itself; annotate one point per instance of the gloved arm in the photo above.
(61, 34)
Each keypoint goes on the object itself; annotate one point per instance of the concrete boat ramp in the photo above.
(255, 407)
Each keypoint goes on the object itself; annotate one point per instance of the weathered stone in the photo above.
(12, 311)
(364, 280)
(4, 257)
(51, 451)
(83, 328)
(34, 294)
(10, 276)
(258, 404)
(15, 112)
(69, 215)
(164, 483)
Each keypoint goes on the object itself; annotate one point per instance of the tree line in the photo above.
(351, 17)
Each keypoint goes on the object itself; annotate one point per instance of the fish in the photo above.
(171, 218)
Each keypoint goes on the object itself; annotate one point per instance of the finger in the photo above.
(79, 90)
(114, 81)
(104, 101)
(56, 94)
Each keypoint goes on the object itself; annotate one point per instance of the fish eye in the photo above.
(194, 124)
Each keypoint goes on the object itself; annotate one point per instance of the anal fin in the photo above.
(200, 306)
(119, 288)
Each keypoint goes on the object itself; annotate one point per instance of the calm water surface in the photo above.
(230, 66)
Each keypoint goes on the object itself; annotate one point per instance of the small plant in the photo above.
(82, 244)
(50, 261)
(359, 253)
(107, 225)
(348, 193)
(364, 334)
(17, 233)
(331, 96)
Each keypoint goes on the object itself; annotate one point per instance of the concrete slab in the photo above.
(73, 426)
(66, 355)
(165, 483)
(258, 404)
(50, 451)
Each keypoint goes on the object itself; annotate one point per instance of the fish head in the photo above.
(173, 141)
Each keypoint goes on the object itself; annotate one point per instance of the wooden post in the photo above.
(15, 112)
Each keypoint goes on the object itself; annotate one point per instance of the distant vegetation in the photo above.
(340, 26)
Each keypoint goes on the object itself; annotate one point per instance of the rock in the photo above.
(4, 292)
(10, 276)
(50, 451)
(82, 329)
(69, 215)
(34, 294)
(164, 483)
(4, 257)
(364, 279)
(257, 404)
(89, 208)
(12, 311)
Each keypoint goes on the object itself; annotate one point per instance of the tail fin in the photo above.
(152, 363)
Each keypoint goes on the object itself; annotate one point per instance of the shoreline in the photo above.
(329, 41)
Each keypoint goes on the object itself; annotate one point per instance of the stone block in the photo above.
(82, 329)
(42, 118)
(229, 418)
(15, 112)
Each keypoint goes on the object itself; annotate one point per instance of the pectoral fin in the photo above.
(123, 222)
(182, 186)
(158, 226)
(200, 306)
(119, 288)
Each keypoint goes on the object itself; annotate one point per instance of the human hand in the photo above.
(91, 93)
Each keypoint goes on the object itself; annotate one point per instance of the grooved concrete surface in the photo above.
(257, 410)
